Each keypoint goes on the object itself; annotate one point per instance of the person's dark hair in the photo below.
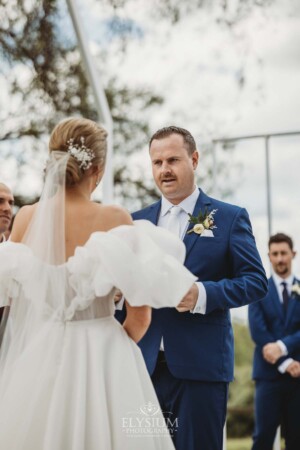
(168, 131)
(281, 237)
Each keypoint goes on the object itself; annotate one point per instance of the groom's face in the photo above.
(173, 167)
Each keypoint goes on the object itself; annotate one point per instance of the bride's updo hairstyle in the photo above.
(79, 133)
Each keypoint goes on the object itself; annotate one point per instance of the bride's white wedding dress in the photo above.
(77, 381)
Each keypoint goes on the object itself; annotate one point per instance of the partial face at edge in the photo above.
(6, 207)
(173, 168)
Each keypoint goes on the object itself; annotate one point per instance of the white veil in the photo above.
(37, 292)
(45, 235)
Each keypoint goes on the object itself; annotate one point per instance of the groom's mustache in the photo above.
(168, 177)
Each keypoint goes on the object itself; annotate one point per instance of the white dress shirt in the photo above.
(187, 205)
(289, 283)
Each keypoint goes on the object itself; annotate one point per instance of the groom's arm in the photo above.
(258, 325)
(248, 283)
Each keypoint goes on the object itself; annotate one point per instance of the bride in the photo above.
(71, 377)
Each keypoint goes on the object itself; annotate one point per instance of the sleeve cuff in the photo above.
(283, 366)
(120, 304)
(283, 348)
(200, 307)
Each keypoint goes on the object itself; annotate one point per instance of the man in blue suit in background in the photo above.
(189, 350)
(6, 213)
(275, 329)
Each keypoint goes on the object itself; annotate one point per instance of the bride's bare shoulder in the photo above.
(21, 222)
(112, 216)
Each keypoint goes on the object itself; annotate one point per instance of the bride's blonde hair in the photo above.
(78, 130)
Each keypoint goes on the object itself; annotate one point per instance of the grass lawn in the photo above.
(239, 444)
(242, 444)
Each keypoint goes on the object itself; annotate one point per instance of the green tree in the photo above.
(44, 79)
(53, 85)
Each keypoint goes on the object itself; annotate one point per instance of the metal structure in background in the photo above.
(266, 138)
(99, 95)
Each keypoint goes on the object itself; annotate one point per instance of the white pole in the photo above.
(268, 185)
(100, 98)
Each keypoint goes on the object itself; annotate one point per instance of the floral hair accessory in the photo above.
(81, 153)
(204, 221)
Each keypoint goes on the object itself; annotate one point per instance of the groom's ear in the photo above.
(195, 159)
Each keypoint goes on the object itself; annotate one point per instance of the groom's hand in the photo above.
(189, 301)
(272, 352)
(294, 369)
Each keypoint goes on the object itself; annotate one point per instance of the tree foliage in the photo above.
(228, 12)
(54, 85)
(45, 81)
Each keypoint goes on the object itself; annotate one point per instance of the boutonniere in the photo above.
(296, 288)
(204, 221)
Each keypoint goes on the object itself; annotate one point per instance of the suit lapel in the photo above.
(277, 303)
(153, 214)
(203, 202)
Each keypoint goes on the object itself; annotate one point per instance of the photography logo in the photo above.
(149, 421)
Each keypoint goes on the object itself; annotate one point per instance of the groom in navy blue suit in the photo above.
(189, 350)
(275, 329)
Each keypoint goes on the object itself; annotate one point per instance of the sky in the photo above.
(198, 66)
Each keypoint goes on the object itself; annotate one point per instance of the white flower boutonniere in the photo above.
(296, 288)
(204, 221)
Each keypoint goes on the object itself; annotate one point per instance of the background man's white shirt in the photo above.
(289, 283)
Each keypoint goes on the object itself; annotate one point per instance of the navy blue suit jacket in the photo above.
(269, 323)
(200, 347)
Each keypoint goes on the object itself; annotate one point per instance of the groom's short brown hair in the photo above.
(167, 131)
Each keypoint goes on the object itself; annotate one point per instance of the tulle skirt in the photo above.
(80, 385)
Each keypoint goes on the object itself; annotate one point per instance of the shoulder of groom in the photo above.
(224, 206)
(144, 212)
